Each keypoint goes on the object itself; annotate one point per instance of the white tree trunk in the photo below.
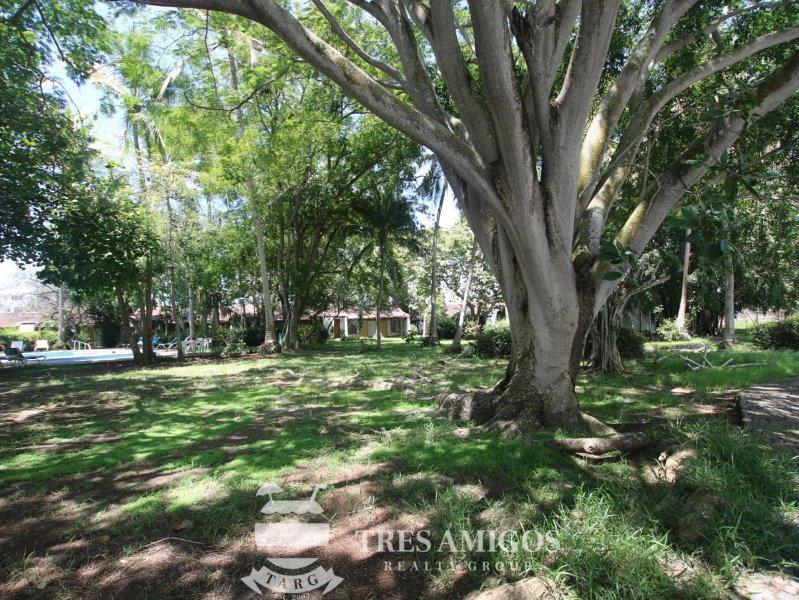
(729, 301)
(456, 341)
(192, 333)
(686, 265)
(432, 340)
(62, 333)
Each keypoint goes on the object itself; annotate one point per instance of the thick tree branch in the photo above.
(677, 45)
(560, 167)
(542, 35)
(495, 61)
(664, 194)
(368, 58)
(449, 57)
(635, 70)
(622, 162)
(585, 66)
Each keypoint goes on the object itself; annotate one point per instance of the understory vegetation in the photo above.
(777, 335)
(99, 466)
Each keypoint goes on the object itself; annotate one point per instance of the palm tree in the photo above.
(139, 89)
(434, 187)
(388, 218)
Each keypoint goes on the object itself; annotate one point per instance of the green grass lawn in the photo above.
(99, 464)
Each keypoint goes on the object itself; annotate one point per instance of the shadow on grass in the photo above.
(186, 463)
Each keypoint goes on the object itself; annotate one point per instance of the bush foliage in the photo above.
(777, 335)
(630, 343)
(668, 331)
(493, 341)
(447, 327)
(10, 334)
(313, 332)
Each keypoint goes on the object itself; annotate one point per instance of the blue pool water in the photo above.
(62, 357)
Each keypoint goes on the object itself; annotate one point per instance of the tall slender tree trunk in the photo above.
(729, 301)
(380, 292)
(192, 331)
(147, 321)
(270, 344)
(432, 340)
(128, 330)
(176, 314)
(686, 265)
(62, 337)
(456, 341)
(173, 297)
(215, 313)
(291, 339)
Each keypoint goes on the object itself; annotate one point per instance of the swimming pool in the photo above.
(62, 357)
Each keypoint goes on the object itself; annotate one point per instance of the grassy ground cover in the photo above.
(99, 464)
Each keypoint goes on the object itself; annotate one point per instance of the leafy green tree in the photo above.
(388, 216)
(105, 245)
(44, 154)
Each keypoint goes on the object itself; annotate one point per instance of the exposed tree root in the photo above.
(480, 407)
(595, 426)
(600, 458)
(622, 442)
(477, 407)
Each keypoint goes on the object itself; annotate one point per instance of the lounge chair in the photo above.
(155, 341)
(14, 355)
(190, 345)
(41, 346)
(168, 345)
(18, 344)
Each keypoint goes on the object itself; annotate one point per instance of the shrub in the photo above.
(312, 332)
(777, 335)
(668, 331)
(234, 343)
(494, 341)
(447, 327)
(253, 336)
(10, 334)
(630, 343)
(471, 329)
